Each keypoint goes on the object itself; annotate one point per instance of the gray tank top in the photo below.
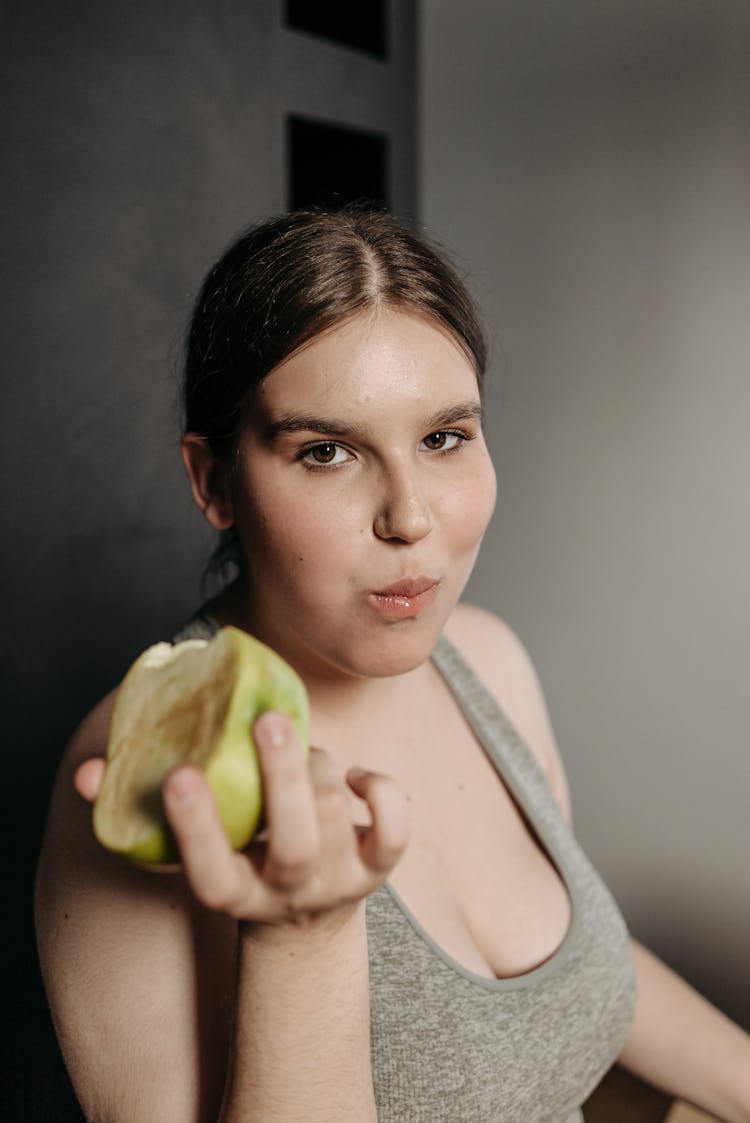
(449, 1046)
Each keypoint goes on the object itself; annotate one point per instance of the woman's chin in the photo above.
(397, 653)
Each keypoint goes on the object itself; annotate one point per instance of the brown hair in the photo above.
(287, 280)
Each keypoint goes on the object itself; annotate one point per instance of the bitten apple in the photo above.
(192, 703)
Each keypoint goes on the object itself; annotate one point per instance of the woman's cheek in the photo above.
(306, 533)
(472, 505)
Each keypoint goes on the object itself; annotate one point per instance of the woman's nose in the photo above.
(404, 513)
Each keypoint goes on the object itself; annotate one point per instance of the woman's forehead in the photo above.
(375, 356)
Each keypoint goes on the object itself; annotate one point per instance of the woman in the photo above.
(420, 937)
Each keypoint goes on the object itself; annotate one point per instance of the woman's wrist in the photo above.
(344, 921)
(302, 1040)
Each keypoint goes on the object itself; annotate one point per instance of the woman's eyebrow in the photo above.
(461, 411)
(307, 422)
(332, 426)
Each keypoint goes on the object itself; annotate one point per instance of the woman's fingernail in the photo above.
(273, 729)
(180, 791)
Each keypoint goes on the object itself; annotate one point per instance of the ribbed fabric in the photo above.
(449, 1046)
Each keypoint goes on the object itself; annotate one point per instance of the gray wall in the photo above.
(137, 140)
(590, 163)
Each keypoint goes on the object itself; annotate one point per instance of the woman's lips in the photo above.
(405, 598)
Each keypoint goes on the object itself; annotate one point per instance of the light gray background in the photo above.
(590, 162)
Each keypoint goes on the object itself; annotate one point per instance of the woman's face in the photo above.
(362, 490)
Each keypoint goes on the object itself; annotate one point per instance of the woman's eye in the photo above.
(442, 441)
(325, 454)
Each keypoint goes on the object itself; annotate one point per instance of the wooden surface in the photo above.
(685, 1113)
(622, 1098)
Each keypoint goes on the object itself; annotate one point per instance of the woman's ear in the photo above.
(209, 481)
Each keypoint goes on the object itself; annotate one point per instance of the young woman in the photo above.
(419, 937)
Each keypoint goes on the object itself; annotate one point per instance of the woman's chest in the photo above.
(475, 875)
(450, 1046)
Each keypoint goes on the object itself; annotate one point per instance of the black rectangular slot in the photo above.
(361, 24)
(332, 165)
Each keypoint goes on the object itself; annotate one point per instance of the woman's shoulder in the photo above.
(68, 841)
(90, 737)
(497, 654)
(482, 631)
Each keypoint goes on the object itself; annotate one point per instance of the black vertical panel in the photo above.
(332, 165)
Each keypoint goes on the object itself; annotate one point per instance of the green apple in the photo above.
(192, 703)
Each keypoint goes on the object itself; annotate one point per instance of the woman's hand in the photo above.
(312, 860)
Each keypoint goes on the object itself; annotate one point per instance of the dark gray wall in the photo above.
(137, 140)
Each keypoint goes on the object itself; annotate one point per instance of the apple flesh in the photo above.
(192, 703)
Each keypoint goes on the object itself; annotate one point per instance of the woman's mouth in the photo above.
(405, 598)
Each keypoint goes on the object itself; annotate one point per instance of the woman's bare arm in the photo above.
(161, 984)
(683, 1044)
(144, 1035)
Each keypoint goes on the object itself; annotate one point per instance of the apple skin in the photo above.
(192, 703)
